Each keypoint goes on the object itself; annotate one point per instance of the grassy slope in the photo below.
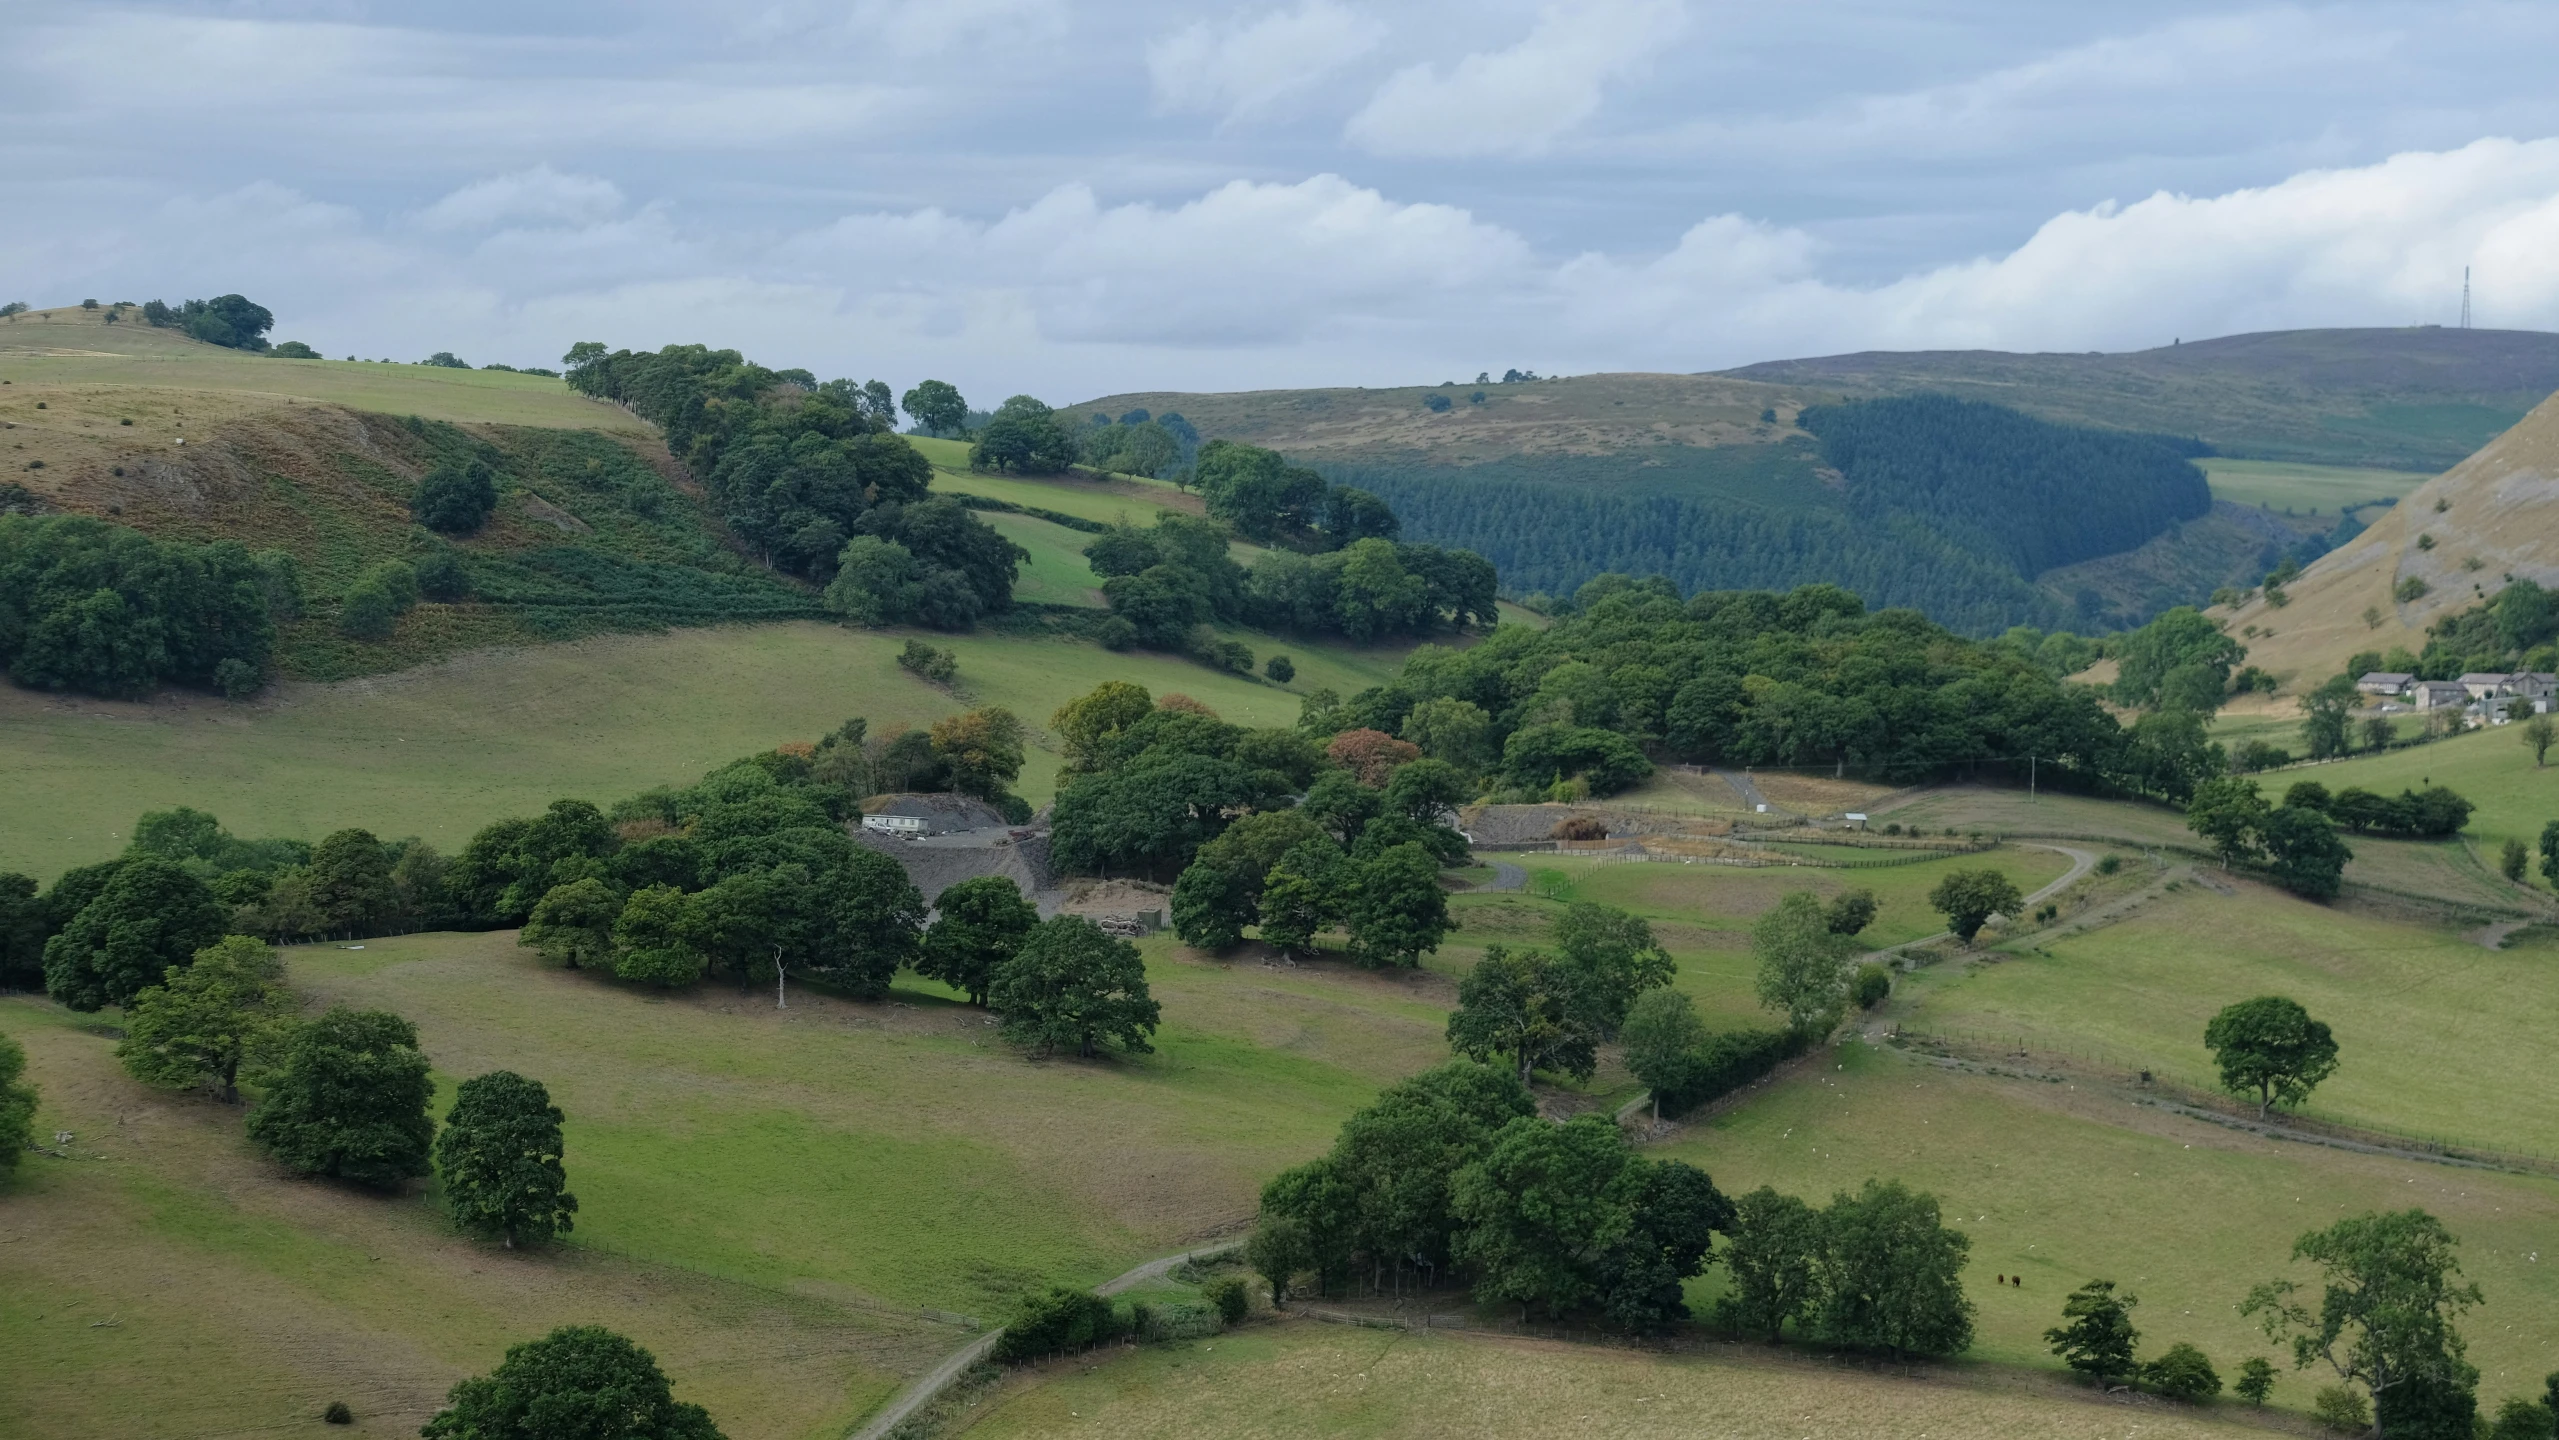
(71, 347)
(173, 1284)
(2061, 1183)
(750, 1181)
(1302, 1378)
(1702, 913)
(440, 750)
(2490, 767)
(2432, 1026)
(2487, 518)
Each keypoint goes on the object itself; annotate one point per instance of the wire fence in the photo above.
(2152, 1078)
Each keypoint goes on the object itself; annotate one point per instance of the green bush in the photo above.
(2110, 864)
(1116, 633)
(377, 600)
(1232, 1297)
(2342, 1409)
(442, 576)
(1873, 983)
(2182, 1372)
(1060, 1320)
(930, 662)
(1280, 668)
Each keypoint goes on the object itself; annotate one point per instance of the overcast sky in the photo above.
(1073, 197)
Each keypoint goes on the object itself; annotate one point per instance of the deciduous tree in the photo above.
(196, 1026)
(149, 916)
(2270, 1046)
(1540, 1208)
(17, 1104)
(983, 922)
(349, 1100)
(2390, 1292)
(1968, 898)
(1072, 985)
(573, 924)
(982, 748)
(579, 1381)
(1396, 911)
(2097, 1335)
(654, 938)
(1803, 965)
(1527, 1006)
(1660, 1038)
(1891, 1273)
(1773, 1262)
(500, 1159)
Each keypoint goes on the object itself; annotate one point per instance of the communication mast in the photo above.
(2465, 297)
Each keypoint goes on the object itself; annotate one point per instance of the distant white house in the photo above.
(2392, 684)
(894, 824)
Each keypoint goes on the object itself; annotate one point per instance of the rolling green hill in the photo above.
(2416, 399)
(1709, 478)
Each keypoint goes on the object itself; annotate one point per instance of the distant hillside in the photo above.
(1948, 506)
(2457, 540)
(596, 527)
(2412, 399)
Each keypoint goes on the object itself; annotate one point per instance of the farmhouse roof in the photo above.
(2386, 677)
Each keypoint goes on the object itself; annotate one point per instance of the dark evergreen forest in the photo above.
(1947, 506)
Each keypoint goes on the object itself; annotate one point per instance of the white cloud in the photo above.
(2380, 244)
(541, 196)
(1521, 100)
(1244, 265)
(1241, 67)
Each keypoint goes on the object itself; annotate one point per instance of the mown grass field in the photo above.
(2433, 1027)
(1300, 1378)
(440, 750)
(2286, 485)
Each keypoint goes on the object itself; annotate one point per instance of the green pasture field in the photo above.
(72, 347)
(1300, 1378)
(2061, 1183)
(171, 1283)
(1057, 572)
(2455, 870)
(2285, 484)
(440, 750)
(1702, 914)
(2490, 767)
(2434, 1029)
(766, 1195)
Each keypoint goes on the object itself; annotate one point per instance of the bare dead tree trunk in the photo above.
(781, 999)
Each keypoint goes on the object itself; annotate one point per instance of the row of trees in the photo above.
(1273, 502)
(720, 870)
(1166, 580)
(105, 610)
(1138, 443)
(802, 469)
(1452, 1174)
(1753, 678)
(346, 1095)
(232, 321)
